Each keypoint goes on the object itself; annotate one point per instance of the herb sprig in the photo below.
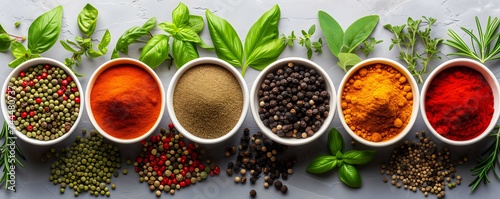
(348, 174)
(485, 45)
(6, 160)
(488, 161)
(87, 21)
(305, 41)
(406, 42)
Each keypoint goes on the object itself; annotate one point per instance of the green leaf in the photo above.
(130, 36)
(359, 31)
(17, 61)
(335, 141)
(347, 60)
(180, 15)
(106, 38)
(322, 164)
(2, 30)
(333, 32)
(262, 31)
(168, 27)
(87, 19)
(265, 54)
(183, 52)
(196, 23)
(358, 157)
(44, 31)
(150, 24)
(312, 29)
(4, 42)
(226, 41)
(18, 50)
(186, 34)
(350, 176)
(67, 46)
(156, 51)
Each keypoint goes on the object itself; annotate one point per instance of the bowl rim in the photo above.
(415, 108)
(254, 101)
(25, 65)
(173, 84)
(486, 73)
(99, 71)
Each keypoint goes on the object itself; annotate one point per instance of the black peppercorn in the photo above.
(253, 193)
(278, 185)
(284, 189)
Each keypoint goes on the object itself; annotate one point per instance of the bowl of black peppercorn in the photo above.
(293, 101)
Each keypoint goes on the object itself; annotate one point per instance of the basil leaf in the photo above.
(155, 51)
(358, 157)
(93, 53)
(226, 41)
(359, 31)
(322, 164)
(131, 35)
(333, 32)
(204, 45)
(180, 15)
(106, 38)
(4, 42)
(2, 30)
(150, 24)
(335, 141)
(115, 54)
(168, 27)
(347, 60)
(263, 31)
(18, 50)
(67, 46)
(196, 23)
(265, 54)
(17, 61)
(44, 31)
(350, 176)
(87, 19)
(186, 34)
(183, 52)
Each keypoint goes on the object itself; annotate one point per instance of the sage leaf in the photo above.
(262, 31)
(265, 54)
(358, 157)
(44, 31)
(359, 31)
(183, 52)
(350, 176)
(347, 60)
(87, 19)
(106, 38)
(226, 41)
(333, 32)
(18, 50)
(196, 23)
(335, 141)
(4, 42)
(322, 164)
(155, 51)
(180, 15)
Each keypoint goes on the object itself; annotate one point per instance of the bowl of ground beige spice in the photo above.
(207, 100)
(378, 102)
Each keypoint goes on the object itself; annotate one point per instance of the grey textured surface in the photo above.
(119, 15)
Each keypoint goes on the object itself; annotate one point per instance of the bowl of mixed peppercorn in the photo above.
(293, 101)
(41, 100)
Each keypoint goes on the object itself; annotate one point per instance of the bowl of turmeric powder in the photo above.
(460, 102)
(125, 100)
(378, 102)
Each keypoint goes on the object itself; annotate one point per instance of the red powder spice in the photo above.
(459, 103)
(125, 101)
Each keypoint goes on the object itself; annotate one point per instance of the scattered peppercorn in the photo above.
(284, 189)
(293, 101)
(253, 193)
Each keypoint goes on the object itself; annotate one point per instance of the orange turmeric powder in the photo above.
(377, 102)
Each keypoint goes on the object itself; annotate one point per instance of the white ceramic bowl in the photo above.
(93, 78)
(254, 101)
(414, 89)
(490, 78)
(170, 97)
(23, 67)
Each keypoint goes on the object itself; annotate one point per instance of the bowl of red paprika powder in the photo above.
(125, 100)
(378, 102)
(460, 101)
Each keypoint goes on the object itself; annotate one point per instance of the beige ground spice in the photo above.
(208, 101)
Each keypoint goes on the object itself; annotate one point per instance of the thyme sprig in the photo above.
(7, 161)
(488, 161)
(485, 45)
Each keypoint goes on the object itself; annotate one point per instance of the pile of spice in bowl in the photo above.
(41, 98)
(378, 102)
(207, 100)
(460, 101)
(125, 100)
(293, 101)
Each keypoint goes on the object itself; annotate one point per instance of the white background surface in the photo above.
(119, 15)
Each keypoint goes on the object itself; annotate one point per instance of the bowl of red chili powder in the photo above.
(125, 100)
(460, 101)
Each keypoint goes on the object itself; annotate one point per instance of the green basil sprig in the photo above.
(132, 35)
(344, 161)
(87, 21)
(262, 44)
(42, 35)
(345, 45)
